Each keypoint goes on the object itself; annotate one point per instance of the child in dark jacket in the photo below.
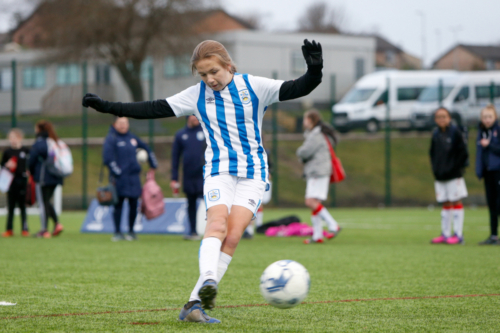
(488, 167)
(14, 159)
(448, 158)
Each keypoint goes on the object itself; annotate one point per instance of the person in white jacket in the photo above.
(315, 154)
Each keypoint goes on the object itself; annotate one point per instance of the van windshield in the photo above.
(357, 95)
(431, 94)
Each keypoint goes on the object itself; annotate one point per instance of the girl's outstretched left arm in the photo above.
(313, 54)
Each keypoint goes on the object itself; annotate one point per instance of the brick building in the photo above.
(464, 57)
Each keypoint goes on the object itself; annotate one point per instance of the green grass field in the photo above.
(379, 254)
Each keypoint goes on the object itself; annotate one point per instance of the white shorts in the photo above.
(450, 190)
(231, 190)
(317, 188)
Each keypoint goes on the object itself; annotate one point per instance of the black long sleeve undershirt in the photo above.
(161, 109)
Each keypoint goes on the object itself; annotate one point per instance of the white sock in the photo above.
(250, 229)
(458, 220)
(209, 258)
(259, 218)
(317, 227)
(224, 261)
(446, 222)
(332, 225)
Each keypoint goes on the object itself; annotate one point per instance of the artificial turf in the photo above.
(381, 253)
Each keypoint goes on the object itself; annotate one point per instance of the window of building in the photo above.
(145, 65)
(359, 68)
(409, 93)
(5, 79)
(390, 57)
(176, 66)
(102, 74)
(298, 63)
(68, 74)
(490, 64)
(34, 77)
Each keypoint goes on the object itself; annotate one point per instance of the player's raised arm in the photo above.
(302, 86)
(138, 110)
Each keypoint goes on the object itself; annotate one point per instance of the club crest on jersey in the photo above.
(214, 195)
(244, 96)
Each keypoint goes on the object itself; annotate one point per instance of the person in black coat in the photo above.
(488, 167)
(189, 144)
(45, 182)
(119, 155)
(14, 159)
(449, 157)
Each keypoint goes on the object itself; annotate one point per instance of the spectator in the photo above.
(315, 154)
(14, 159)
(448, 158)
(45, 181)
(189, 144)
(119, 155)
(488, 167)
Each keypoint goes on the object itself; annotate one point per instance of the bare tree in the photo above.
(122, 32)
(319, 17)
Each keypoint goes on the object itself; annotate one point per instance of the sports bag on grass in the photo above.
(152, 204)
(30, 191)
(106, 195)
(59, 160)
(338, 173)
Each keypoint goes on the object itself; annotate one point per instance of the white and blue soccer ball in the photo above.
(285, 284)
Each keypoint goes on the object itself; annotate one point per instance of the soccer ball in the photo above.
(285, 283)
(142, 155)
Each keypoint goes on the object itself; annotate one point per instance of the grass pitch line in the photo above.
(247, 306)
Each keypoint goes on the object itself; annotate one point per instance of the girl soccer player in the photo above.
(315, 154)
(488, 167)
(230, 106)
(448, 158)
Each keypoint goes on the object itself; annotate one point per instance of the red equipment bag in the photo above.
(338, 173)
(30, 192)
(152, 204)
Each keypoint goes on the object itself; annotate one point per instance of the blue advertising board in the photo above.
(174, 220)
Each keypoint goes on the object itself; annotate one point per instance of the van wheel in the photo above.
(456, 119)
(372, 126)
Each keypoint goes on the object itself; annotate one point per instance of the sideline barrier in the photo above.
(174, 220)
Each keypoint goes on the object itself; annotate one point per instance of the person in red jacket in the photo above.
(14, 159)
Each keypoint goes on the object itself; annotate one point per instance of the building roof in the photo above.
(384, 45)
(484, 51)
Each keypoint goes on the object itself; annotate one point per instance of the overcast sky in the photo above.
(477, 21)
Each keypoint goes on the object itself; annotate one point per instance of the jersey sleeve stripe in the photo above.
(242, 131)
(255, 117)
(221, 119)
(213, 143)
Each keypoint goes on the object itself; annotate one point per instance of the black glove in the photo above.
(313, 53)
(94, 102)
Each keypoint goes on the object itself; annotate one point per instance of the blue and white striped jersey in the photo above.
(232, 123)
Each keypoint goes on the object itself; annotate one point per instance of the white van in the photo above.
(365, 105)
(464, 95)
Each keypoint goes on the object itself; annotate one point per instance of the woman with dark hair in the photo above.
(315, 154)
(119, 155)
(46, 182)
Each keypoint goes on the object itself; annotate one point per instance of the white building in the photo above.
(56, 88)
